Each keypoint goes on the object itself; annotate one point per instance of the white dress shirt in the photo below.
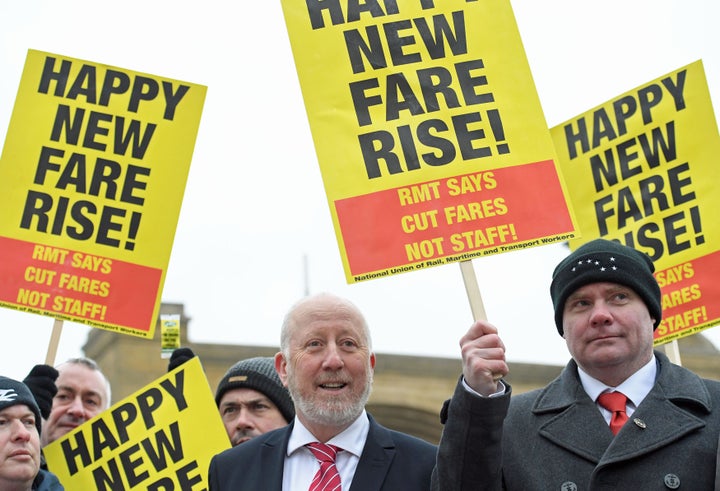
(636, 387)
(301, 466)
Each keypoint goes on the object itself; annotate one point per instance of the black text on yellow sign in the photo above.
(68, 185)
(624, 196)
(417, 94)
(150, 440)
(137, 464)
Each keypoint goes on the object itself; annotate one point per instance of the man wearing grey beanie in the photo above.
(20, 425)
(252, 400)
(619, 416)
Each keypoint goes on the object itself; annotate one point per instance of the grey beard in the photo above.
(335, 413)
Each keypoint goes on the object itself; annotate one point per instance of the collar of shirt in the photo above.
(636, 387)
(300, 464)
(352, 439)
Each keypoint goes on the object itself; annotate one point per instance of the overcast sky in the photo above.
(255, 211)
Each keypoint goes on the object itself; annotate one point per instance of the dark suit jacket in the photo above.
(390, 461)
(555, 438)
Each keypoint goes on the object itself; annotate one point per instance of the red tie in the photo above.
(327, 477)
(615, 403)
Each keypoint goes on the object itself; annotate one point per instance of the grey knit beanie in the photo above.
(13, 393)
(258, 374)
(602, 260)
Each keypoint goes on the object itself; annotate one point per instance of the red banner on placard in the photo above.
(472, 212)
(689, 291)
(96, 290)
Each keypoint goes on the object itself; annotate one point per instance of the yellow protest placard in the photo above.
(642, 169)
(428, 130)
(161, 438)
(92, 177)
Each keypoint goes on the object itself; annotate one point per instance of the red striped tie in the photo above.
(327, 477)
(615, 403)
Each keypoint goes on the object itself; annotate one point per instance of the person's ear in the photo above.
(281, 367)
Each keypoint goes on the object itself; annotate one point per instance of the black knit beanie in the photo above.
(602, 260)
(258, 374)
(13, 393)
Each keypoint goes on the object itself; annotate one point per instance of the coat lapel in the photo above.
(375, 459)
(657, 422)
(272, 456)
(577, 426)
(661, 418)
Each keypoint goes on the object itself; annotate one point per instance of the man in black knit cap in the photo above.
(20, 428)
(619, 416)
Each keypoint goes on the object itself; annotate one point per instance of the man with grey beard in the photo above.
(327, 363)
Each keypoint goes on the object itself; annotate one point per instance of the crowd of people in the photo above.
(619, 416)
